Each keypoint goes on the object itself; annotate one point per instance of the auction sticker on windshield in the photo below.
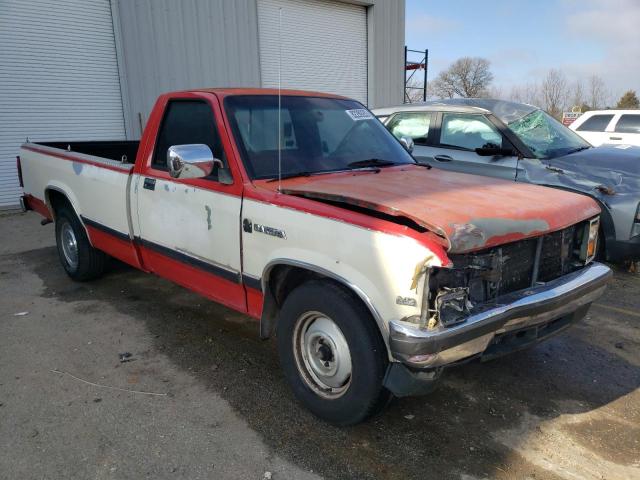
(359, 114)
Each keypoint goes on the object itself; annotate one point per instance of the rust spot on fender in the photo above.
(479, 232)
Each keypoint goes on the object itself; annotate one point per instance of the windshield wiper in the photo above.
(371, 162)
(306, 174)
(290, 175)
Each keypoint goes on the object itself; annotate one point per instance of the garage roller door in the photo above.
(58, 78)
(324, 46)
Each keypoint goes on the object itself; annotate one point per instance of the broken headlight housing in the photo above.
(589, 246)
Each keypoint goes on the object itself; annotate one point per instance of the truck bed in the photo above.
(122, 151)
(92, 175)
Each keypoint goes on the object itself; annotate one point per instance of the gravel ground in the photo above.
(203, 398)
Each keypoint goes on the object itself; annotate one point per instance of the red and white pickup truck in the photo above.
(374, 272)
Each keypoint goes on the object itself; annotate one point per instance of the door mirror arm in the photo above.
(407, 143)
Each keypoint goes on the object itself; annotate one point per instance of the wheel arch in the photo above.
(55, 195)
(279, 278)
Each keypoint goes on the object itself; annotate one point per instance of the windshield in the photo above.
(545, 136)
(317, 135)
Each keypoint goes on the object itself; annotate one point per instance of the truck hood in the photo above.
(470, 212)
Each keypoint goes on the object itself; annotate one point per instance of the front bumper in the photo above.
(566, 297)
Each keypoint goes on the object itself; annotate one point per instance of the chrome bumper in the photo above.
(569, 295)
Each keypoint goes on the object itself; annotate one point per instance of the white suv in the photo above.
(609, 126)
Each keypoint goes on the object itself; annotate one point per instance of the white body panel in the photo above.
(380, 265)
(200, 223)
(97, 193)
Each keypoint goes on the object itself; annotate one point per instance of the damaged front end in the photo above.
(508, 296)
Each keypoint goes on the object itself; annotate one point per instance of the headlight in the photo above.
(590, 246)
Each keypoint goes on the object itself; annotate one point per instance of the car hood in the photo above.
(608, 169)
(470, 212)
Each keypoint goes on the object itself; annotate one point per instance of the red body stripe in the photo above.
(38, 206)
(255, 300)
(114, 246)
(228, 293)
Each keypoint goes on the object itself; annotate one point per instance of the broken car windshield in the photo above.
(545, 136)
(317, 135)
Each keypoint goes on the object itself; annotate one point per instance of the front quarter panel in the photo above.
(381, 266)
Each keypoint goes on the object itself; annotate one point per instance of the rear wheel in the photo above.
(332, 353)
(79, 259)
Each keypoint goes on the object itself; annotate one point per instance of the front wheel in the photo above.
(79, 259)
(332, 353)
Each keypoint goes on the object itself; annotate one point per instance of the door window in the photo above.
(468, 132)
(186, 122)
(413, 125)
(597, 123)
(628, 123)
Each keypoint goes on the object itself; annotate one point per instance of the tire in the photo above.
(318, 319)
(79, 259)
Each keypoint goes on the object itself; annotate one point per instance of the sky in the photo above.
(524, 39)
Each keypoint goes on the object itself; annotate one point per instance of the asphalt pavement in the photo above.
(201, 397)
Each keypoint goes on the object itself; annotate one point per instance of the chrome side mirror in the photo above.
(407, 143)
(191, 161)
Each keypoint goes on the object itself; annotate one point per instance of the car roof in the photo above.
(507, 111)
(613, 111)
(223, 92)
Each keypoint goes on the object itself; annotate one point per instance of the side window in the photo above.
(414, 125)
(468, 131)
(628, 123)
(597, 123)
(185, 122)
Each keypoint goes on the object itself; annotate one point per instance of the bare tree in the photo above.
(413, 91)
(577, 98)
(440, 89)
(527, 93)
(554, 92)
(466, 77)
(597, 95)
(494, 91)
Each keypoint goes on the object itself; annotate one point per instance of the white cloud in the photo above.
(614, 26)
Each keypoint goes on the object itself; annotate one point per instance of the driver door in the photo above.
(188, 230)
(459, 134)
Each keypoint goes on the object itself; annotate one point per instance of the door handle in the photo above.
(615, 138)
(149, 183)
(443, 158)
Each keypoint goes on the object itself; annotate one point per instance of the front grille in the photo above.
(497, 271)
(518, 260)
(517, 265)
(491, 273)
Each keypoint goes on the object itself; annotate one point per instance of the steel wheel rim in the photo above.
(322, 355)
(69, 244)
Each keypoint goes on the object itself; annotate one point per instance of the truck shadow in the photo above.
(467, 426)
